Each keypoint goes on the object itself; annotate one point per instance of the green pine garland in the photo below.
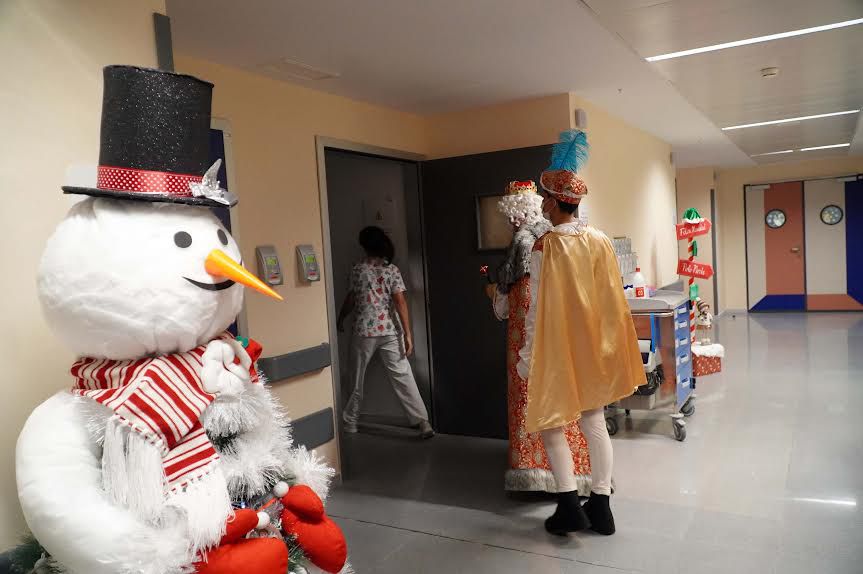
(298, 562)
(24, 557)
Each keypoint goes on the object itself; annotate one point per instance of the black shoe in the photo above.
(426, 430)
(598, 510)
(569, 516)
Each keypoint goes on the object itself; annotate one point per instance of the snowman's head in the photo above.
(125, 279)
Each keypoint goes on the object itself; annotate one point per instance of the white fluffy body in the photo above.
(112, 281)
(521, 208)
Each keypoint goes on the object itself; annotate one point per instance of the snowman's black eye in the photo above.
(182, 239)
(223, 237)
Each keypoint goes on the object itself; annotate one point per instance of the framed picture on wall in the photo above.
(494, 233)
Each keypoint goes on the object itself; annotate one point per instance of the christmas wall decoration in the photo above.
(706, 357)
(693, 226)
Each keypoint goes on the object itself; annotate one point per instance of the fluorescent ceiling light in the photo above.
(825, 147)
(773, 153)
(836, 501)
(802, 149)
(756, 40)
(788, 120)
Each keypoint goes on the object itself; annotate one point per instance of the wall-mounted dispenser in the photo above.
(269, 269)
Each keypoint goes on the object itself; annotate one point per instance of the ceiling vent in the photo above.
(297, 71)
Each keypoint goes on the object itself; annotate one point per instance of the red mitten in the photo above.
(256, 555)
(243, 522)
(235, 555)
(319, 537)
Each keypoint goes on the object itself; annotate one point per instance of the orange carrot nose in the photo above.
(219, 264)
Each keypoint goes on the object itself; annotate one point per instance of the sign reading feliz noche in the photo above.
(693, 269)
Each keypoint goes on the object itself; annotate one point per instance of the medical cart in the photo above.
(662, 325)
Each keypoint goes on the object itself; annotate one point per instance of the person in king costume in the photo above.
(581, 350)
(529, 469)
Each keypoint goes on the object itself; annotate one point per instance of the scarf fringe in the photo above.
(132, 473)
(207, 506)
(133, 477)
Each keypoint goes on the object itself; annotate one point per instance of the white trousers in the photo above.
(400, 374)
(592, 424)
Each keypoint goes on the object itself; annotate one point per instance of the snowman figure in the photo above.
(168, 453)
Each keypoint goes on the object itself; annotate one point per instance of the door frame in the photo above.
(322, 144)
(802, 180)
(714, 246)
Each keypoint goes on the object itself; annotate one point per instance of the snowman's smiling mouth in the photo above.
(221, 286)
(211, 286)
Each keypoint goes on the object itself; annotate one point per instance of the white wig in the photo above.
(521, 208)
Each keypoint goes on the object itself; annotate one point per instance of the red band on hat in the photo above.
(143, 181)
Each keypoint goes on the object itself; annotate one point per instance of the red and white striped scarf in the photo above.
(161, 399)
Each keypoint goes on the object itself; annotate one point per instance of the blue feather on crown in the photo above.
(571, 151)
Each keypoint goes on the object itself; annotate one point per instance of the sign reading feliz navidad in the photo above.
(687, 230)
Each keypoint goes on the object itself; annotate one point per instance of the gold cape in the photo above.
(585, 350)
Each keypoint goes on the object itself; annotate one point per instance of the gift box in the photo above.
(707, 359)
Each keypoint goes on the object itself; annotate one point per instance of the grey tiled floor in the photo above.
(769, 480)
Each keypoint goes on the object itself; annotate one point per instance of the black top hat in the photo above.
(155, 140)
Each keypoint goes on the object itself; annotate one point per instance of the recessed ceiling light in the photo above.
(773, 153)
(756, 40)
(825, 147)
(787, 120)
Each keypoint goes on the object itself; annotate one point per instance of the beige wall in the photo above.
(693, 190)
(732, 236)
(524, 123)
(631, 190)
(52, 54)
(273, 126)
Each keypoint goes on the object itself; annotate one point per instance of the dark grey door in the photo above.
(468, 343)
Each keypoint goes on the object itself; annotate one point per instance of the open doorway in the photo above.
(360, 187)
